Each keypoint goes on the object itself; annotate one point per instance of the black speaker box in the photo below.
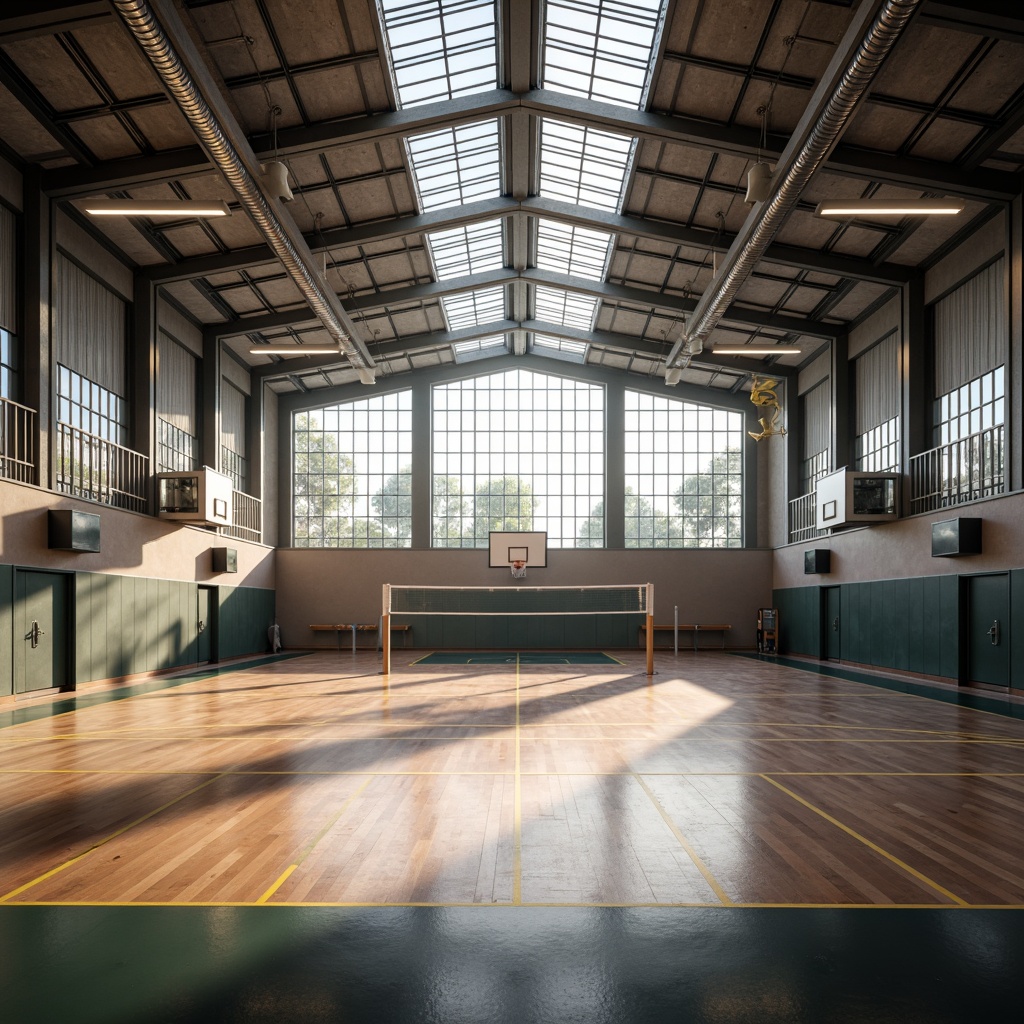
(818, 560)
(954, 537)
(69, 530)
(224, 559)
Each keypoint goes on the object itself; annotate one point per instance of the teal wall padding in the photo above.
(1017, 628)
(244, 615)
(517, 632)
(129, 624)
(911, 625)
(6, 630)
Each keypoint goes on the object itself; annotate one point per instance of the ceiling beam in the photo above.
(48, 17)
(567, 213)
(994, 19)
(928, 175)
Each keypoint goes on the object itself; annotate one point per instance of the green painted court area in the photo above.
(517, 658)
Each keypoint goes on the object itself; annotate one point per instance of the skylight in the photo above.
(574, 350)
(566, 308)
(567, 249)
(469, 249)
(488, 346)
(600, 49)
(456, 165)
(441, 49)
(471, 309)
(583, 165)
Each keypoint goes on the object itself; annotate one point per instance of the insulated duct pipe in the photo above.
(293, 253)
(876, 45)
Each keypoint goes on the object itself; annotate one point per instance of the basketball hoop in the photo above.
(518, 569)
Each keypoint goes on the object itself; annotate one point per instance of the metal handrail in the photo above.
(964, 470)
(247, 518)
(802, 518)
(17, 441)
(89, 466)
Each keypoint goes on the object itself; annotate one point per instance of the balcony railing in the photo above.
(17, 444)
(803, 518)
(93, 467)
(247, 518)
(961, 471)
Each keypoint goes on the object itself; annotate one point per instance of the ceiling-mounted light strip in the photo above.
(889, 208)
(161, 208)
(294, 350)
(756, 350)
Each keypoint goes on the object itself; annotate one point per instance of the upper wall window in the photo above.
(684, 474)
(353, 474)
(518, 451)
(877, 412)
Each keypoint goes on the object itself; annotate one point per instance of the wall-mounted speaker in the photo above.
(224, 559)
(954, 537)
(819, 560)
(69, 530)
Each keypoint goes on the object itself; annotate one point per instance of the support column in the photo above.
(615, 467)
(143, 378)
(915, 380)
(420, 499)
(254, 436)
(210, 442)
(1015, 369)
(841, 429)
(37, 367)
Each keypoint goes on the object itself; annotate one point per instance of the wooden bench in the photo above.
(355, 628)
(695, 628)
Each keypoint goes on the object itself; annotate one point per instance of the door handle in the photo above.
(994, 633)
(34, 634)
(202, 625)
(835, 624)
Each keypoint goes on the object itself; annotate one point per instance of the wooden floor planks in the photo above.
(316, 781)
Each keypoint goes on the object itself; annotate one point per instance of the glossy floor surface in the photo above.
(732, 840)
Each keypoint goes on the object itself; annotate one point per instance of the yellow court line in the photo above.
(308, 849)
(511, 772)
(690, 851)
(369, 904)
(868, 843)
(95, 846)
(517, 828)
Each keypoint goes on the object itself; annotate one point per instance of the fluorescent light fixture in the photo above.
(294, 350)
(672, 375)
(146, 208)
(756, 350)
(889, 208)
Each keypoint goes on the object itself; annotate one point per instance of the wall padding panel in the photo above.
(911, 625)
(6, 630)
(245, 614)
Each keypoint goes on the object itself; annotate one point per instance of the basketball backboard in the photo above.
(507, 547)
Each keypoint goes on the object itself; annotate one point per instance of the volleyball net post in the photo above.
(385, 631)
(632, 599)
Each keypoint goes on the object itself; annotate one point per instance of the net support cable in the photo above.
(591, 600)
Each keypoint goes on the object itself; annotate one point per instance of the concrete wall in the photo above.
(332, 586)
(903, 548)
(132, 544)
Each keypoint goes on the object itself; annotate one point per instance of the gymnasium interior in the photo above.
(511, 510)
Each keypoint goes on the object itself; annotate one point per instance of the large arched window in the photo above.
(352, 474)
(684, 474)
(518, 450)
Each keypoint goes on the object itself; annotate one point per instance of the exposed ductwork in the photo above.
(819, 139)
(287, 245)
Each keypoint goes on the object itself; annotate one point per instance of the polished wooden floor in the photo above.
(724, 781)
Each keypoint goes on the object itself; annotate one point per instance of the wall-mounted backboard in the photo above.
(507, 547)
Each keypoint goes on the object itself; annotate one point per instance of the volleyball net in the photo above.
(629, 599)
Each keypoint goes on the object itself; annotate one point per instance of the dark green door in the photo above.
(833, 627)
(203, 626)
(988, 619)
(40, 631)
